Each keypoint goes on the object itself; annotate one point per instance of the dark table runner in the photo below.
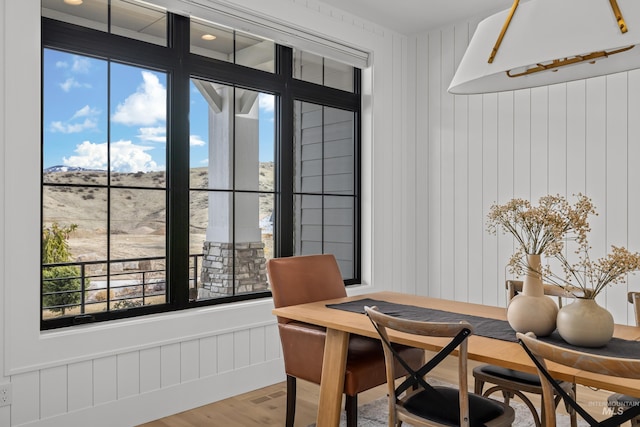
(486, 327)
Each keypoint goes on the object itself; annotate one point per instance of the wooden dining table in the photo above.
(340, 324)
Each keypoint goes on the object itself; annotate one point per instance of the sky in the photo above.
(76, 116)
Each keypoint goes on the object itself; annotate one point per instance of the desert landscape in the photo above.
(138, 217)
(138, 224)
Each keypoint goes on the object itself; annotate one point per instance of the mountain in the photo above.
(62, 168)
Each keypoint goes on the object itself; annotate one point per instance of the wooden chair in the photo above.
(541, 352)
(310, 278)
(417, 402)
(513, 383)
(618, 400)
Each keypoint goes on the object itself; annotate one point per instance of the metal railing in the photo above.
(120, 284)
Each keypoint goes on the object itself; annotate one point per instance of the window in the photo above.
(178, 156)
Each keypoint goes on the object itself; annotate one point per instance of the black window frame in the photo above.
(181, 65)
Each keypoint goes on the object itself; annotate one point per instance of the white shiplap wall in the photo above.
(568, 138)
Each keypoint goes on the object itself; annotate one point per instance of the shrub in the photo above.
(61, 285)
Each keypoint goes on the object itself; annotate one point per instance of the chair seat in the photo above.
(366, 367)
(445, 409)
(508, 374)
(618, 399)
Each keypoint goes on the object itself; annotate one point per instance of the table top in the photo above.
(481, 349)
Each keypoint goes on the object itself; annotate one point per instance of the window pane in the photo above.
(250, 264)
(213, 41)
(325, 225)
(323, 71)
(211, 137)
(255, 52)
(308, 225)
(308, 147)
(337, 231)
(254, 141)
(211, 233)
(338, 75)
(86, 13)
(138, 223)
(74, 244)
(324, 149)
(338, 149)
(307, 67)
(138, 127)
(140, 21)
(75, 118)
(86, 209)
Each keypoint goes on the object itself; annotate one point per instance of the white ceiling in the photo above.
(416, 16)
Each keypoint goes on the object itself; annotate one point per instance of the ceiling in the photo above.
(416, 16)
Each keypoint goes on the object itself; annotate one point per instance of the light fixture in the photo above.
(543, 42)
(208, 37)
(73, 2)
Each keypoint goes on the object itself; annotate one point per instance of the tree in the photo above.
(61, 285)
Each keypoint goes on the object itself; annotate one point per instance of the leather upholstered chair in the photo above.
(618, 400)
(513, 383)
(309, 278)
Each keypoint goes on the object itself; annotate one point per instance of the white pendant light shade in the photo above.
(543, 31)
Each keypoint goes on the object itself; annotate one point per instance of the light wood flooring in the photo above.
(266, 407)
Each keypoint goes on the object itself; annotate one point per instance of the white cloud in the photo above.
(125, 157)
(73, 127)
(81, 65)
(62, 64)
(195, 140)
(147, 106)
(266, 102)
(153, 134)
(86, 111)
(68, 127)
(72, 83)
(89, 155)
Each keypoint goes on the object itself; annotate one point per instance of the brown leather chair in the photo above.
(309, 278)
(513, 383)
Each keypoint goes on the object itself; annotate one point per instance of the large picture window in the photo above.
(179, 155)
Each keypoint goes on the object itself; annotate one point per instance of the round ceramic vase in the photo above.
(585, 323)
(532, 310)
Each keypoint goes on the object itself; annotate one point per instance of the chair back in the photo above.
(634, 298)
(542, 352)
(457, 331)
(305, 278)
(514, 287)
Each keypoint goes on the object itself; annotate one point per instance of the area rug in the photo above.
(374, 414)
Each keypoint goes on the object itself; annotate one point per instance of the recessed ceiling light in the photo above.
(73, 2)
(208, 37)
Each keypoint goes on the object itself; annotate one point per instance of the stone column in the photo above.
(234, 259)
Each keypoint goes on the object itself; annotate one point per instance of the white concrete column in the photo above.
(244, 108)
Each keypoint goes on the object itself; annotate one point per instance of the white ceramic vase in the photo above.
(532, 310)
(585, 323)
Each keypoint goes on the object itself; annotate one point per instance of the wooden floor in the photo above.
(266, 406)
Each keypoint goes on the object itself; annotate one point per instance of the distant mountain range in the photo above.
(61, 168)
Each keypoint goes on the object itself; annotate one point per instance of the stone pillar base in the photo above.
(220, 262)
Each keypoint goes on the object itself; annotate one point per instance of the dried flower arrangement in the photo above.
(541, 229)
(544, 229)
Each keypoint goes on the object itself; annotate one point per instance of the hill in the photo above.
(138, 215)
